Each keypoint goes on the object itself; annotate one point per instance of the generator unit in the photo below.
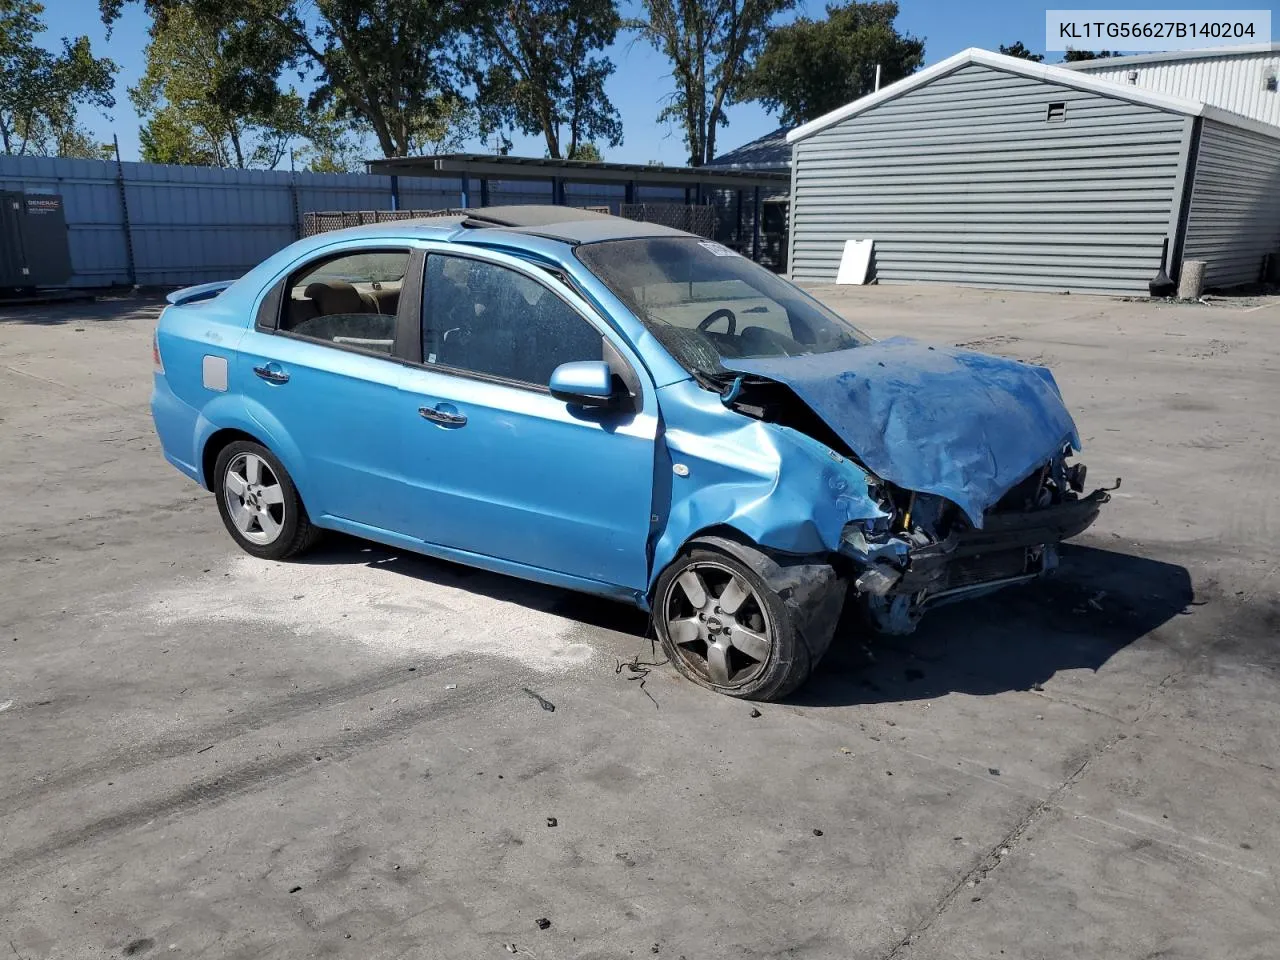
(34, 251)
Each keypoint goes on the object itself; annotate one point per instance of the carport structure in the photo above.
(698, 182)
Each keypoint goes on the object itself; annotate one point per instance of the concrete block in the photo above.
(1191, 280)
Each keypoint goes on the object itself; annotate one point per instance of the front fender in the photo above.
(232, 411)
(777, 487)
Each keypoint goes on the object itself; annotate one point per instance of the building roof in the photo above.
(770, 152)
(1208, 53)
(577, 171)
(1036, 71)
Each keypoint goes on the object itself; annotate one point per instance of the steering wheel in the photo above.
(715, 315)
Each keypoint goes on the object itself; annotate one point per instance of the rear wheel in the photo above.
(259, 504)
(725, 629)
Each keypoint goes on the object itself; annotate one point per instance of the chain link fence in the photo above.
(322, 221)
(700, 220)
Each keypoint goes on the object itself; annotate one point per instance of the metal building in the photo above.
(987, 170)
(1244, 80)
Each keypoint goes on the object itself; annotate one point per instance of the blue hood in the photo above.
(963, 425)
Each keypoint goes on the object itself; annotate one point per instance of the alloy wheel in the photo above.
(717, 623)
(254, 498)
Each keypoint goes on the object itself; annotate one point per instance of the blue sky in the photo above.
(638, 85)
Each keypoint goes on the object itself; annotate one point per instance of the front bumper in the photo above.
(1010, 548)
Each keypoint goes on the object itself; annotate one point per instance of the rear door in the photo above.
(498, 466)
(322, 365)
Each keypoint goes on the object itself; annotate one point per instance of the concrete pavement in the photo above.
(205, 755)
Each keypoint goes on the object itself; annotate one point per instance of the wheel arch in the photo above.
(218, 441)
(231, 417)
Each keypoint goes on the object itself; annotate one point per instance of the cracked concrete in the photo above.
(281, 783)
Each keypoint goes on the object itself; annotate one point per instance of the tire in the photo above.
(721, 650)
(259, 504)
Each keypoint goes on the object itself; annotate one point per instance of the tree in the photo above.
(586, 151)
(1075, 56)
(534, 68)
(40, 92)
(1021, 52)
(195, 112)
(379, 64)
(711, 45)
(811, 67)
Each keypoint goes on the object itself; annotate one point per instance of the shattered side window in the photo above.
(704, 301)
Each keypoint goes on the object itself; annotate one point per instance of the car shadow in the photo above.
(1097, 603)
(589, 610)
(79, 310)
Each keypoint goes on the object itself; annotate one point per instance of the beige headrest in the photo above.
(335, 296)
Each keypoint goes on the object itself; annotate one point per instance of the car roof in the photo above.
(567, 224)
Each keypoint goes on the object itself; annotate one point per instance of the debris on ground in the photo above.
(817, 832)
(543, 923)
(294, 889)
(1038, 687)
(755, 713)
(994, 771)
(543, 702)
(845, 750)
(552, 822)
(640, 670)
(451, 686)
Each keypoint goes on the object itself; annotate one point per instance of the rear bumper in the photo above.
(175, 424)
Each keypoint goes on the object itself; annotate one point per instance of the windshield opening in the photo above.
(707, 304)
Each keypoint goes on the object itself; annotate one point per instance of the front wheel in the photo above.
(259, 504)
(725, 628)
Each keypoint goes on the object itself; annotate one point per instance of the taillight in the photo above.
(155, 352)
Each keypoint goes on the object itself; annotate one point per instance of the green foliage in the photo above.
(711, 45)
(380, 65)
(40, 91)
(1017, 49)
(1075, 56)
(195, 108)
(586, 151)
(534, 66)
(811, 67)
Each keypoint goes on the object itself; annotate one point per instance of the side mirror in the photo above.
(588, 383)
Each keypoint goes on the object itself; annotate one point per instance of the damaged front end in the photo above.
(927, 552)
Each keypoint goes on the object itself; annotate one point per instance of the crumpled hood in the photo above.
(963, 425)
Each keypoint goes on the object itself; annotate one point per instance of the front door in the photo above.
(499, 467)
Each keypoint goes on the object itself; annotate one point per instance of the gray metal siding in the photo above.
(1235, 205)
(1237, 83)
(963, 181)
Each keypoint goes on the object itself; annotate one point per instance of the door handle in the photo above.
(272, 373)
(443, 417)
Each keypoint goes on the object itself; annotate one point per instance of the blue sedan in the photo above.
(618, 408)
